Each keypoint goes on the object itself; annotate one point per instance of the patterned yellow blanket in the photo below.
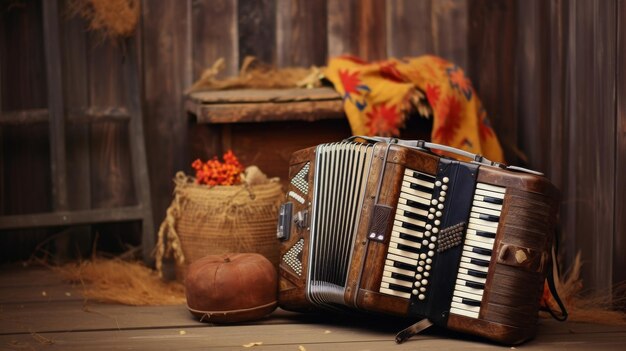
(377, 98)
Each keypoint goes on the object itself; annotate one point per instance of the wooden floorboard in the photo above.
(58, 321)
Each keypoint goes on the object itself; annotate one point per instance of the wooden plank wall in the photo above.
(550, 75)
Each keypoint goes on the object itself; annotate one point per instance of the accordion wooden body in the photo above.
(387, 226)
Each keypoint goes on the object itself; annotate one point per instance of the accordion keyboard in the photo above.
(477, 250)
(413, 237)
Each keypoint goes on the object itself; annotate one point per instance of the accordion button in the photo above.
(433, 238)
(435, 230)
(445, 187)
(423, 256)
(419, 269)
(438, 214)
(417, 284)
(424, 282)
(429, 260)
(438, 183)
(421, 297)
(442, 199)
(431, 246)
(418, 276)
(423, 289)
(426, 274)
(434, 201)
(440, 206)
(421, 263)
(437, 222)
(427, 267)
(442, 193)
(425, 242)
(431, 216)
(414, 292)
(432, 210)
(431, 253)
(429, 226)
(446, 179)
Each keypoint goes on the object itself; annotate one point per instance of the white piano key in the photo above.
(393, 250)
(462, 312)
(418, 211)
(468, 253)
(479, 201)
(394, 292)
(471, 278)
(465, 294)
(461, 287)
(465, 263)
(397, 226)
(462, 306)
(412, 197)
(406, 187)
(486, 211)
(489, 193)
(471, 235)
(405, 219)
(411, 179)
(395, 237)
(392, 269)
(402, 259)
(397, 282)
(474, 243)
(480, 227)
(497, 189)
(474, 219)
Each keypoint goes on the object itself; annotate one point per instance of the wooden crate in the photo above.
(263, 127)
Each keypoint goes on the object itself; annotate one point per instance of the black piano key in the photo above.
(415, 216)
(402, 277)
(493, 200)
(476, 273)
(410, 237)
(486, 234)
(419, 205)
(475, 285)
(408, 248)
(479, 262)
(400, 288)
(470, 302)
(421, 188)
(481, 251)
(411, 226)
(420, 176)
(403, 265)
(488, 217)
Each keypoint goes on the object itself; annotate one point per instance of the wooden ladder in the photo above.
(57, 116)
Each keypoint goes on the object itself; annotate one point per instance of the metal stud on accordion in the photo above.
(432, 238)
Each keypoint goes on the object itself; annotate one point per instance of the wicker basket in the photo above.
(206, 220)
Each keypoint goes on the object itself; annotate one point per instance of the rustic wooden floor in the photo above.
(40, 312)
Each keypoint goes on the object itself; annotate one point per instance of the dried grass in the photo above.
(597, 307)
(118, 281)
(257, 75)
(111, 18)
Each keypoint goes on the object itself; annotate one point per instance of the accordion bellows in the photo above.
(395, 229)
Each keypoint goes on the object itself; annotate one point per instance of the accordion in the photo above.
(390, 226)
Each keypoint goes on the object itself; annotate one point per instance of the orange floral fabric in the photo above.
(376, 100)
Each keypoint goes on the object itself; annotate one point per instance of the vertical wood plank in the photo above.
(167, 72)
(26, 149)
(56, 108)
(619, 246)
(533, 83)
(214, 35)
(591, 143)
(300, 33)
(491, 45)
(357, 27)
(409, 28)
(257, 29)
(450, 30)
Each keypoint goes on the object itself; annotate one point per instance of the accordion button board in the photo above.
(403, 231)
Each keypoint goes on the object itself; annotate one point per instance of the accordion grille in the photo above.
(341, 171)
